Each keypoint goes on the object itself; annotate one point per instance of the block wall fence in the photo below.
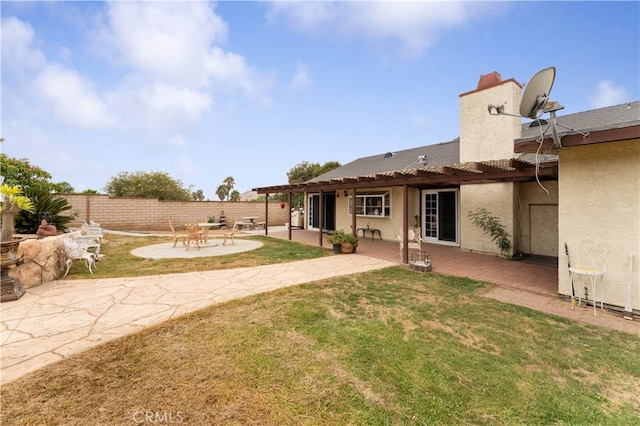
(144, 214)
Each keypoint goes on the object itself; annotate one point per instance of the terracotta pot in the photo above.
(347, 247)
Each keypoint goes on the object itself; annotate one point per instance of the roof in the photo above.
(609, 124)
(441, 154)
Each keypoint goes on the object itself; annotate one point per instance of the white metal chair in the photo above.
(414, 245)
(592, 261)
(75, 251)
(90, 243)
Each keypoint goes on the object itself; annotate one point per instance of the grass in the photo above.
(121, 263)
(388, 347)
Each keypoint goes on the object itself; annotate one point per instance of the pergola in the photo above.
(507, 170)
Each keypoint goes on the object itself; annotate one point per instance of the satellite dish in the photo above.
(536, 93)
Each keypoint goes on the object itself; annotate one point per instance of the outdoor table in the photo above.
(372, 230)
(251, 220)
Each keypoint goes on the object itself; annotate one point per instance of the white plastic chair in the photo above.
(592, 258)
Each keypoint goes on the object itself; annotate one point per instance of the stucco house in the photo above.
(544, 195)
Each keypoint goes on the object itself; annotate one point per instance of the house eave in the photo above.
(508, 170)
(573, 139)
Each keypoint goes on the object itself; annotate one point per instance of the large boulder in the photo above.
(43, 261)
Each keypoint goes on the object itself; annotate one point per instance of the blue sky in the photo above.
(206, 90)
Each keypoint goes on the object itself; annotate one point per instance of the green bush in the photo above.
(45, 207)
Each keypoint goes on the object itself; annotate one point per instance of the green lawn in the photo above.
(121, 263)
(387, 347)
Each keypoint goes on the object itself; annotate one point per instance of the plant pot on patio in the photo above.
(11, 288)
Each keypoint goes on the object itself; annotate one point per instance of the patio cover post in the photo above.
(405, 223)
(266, 213)
(320, 217)
(354, 230)
(290, 225)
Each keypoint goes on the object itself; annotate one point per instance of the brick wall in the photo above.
(143, 214)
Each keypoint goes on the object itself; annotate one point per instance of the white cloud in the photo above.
(607, 93)
(72, 98)
(167, 41)
(411, 26)
(301, 79)
(17, 50)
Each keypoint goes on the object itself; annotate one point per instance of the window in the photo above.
(377, 204)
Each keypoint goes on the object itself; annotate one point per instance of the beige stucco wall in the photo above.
(498, 200)
(390, 227)
(537, 213)
(484, 136)
(599, 193)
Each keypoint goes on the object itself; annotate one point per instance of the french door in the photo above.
(440, 218)
(329, 217)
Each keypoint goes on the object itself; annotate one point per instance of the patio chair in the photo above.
(92, 229)
(593, 257)
(75, 251)
(193, 234)
(177, 236)
(230, 234)
(414, 246)
(88, 242)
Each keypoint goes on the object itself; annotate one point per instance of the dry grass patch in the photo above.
(365, 349)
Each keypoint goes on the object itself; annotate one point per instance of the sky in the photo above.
(206, 90)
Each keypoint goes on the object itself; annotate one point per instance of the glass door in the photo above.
(440, 216)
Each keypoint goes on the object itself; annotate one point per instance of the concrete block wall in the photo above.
(143, 214)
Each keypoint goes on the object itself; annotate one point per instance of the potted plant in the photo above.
(350, 243)
(12, 203)
(336, 238)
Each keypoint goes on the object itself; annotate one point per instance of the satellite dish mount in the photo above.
(535, 101)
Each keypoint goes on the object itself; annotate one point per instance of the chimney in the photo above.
(489, 80)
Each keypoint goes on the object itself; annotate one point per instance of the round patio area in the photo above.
(212, 248)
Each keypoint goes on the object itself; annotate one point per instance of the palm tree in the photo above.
(229, 182)
(221, 192)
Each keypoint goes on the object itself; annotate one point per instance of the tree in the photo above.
(19, 172)
(235, 195)
(147, 185)
(64, 188)
(224, 190)
(221, 192)
(303, 172)
(197, 195)
(36, 186)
